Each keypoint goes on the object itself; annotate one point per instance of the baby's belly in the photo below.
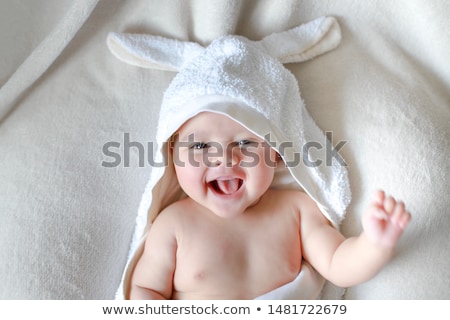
(243, 278)
(208, 296)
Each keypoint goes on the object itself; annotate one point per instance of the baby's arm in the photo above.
(347, 262)
(153, 275)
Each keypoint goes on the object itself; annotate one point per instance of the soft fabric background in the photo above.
(66, 221)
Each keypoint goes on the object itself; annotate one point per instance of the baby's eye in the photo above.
(246, 143)
(199, 145)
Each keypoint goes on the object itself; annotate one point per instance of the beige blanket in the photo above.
(77, 127)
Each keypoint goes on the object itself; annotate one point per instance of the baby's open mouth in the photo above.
(226, 186)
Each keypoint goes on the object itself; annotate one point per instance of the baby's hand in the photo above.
(385, 220)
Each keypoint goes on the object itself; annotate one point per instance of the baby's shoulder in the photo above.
(298, 199)
(172, 209)
(174, 212)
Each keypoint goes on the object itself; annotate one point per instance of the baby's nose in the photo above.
(229, 157)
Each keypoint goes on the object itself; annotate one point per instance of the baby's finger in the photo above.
(398, 211)
(389, 204)
(381, 215)
(404, 219)
(378, 197)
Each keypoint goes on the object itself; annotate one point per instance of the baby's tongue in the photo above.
(228, 186)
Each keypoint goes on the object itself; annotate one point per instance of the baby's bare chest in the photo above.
(265, 254)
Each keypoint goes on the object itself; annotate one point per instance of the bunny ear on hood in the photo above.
(246, 81)
(304, 42)
(295, 45)
(152, 52)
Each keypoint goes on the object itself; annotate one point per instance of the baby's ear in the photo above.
(153, 52)
(305, 41)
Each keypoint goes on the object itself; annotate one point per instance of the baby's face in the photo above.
(221, 165)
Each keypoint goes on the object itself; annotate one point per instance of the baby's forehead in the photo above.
(210, 116)
(207, 124)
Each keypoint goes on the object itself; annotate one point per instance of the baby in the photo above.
(224, 217)
(234, 237)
